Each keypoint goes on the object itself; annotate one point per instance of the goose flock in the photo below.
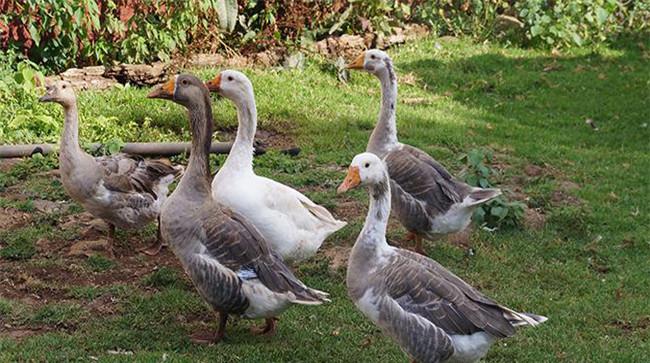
(238, 235)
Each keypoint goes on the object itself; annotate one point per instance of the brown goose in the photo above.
(432, 314)
(427, 200)
(124, 190)
(226, 258)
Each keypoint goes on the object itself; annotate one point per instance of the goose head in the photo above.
(366, 169)
(233, 85)
(183, 89)
(374, 61)
(60, 92)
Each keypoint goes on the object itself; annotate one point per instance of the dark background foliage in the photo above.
(61, 34)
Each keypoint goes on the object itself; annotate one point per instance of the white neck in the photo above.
(384, 136)
(374, 229)
(241, 154)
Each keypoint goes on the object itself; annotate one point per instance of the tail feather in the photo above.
(522, 319)
(480, 195)
(323, 215)
(312, 297)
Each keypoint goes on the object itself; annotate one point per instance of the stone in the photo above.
(207, 60)
(347, 46)
(139, 74)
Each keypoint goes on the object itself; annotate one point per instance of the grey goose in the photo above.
(225, 256)
(427, 199)
(126, 191)
(432, 314)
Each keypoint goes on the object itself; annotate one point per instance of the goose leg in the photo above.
(418, 245)
(155, 247)
(212, 338)
(111, 239)
(269, 328)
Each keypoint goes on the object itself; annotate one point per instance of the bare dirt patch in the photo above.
(8, 164)
(534, 219)
(337, 256)
(18, 333)
(349, 209)
(267, 139)
(11, 218)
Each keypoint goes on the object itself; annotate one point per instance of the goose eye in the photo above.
(372, 56)
(63, 86)
(367, 165)
(184, 82)
(230, 78)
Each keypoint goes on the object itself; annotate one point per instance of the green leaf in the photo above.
(576, 38)
(601, 15)
(227, 14)
(33, 32)
(499, 212)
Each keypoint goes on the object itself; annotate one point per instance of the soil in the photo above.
(11, 218)
(268, 139)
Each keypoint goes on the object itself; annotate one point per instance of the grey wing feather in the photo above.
(218, 285)
(237, 244)
(420, 338)
(131, 173)
(421, 187)
(434, 293)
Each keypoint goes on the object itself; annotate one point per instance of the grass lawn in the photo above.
(587, 268)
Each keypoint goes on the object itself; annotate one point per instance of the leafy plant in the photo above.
(570, 22)
(499, 212)
(98, 32)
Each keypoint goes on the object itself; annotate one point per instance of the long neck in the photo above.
(374, 229)
(197, 176)
(70, 134)
(384, 136)
(241, 154)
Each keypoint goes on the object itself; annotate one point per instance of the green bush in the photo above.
(60, 34)
(569, 22)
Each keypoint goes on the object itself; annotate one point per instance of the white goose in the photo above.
(293, 225)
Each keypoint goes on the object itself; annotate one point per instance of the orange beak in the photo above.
(164, 91)
(358, 63)
(214, 84)
(352, 180)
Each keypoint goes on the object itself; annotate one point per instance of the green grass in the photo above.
(98, 263)
(20, 244)
(587, 269)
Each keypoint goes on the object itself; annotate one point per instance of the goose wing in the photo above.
(133, 174)
(237, 245)
(422, 187)
(423, 287)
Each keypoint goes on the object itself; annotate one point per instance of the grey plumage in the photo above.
(224, 255)
(427, 199)
(422, 189)
(432, 314)
(126, 191)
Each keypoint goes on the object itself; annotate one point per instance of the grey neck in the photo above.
(241, 155)
(70, 134)
(197, 176)
(384, 136)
